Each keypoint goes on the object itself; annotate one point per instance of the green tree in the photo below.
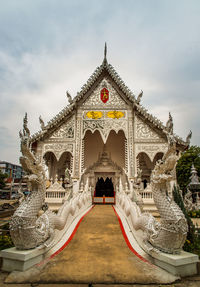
(183, 168)
(2, 180)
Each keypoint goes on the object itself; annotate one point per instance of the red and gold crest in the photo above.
(104, 95)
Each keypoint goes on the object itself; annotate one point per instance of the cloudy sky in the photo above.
(50, 46)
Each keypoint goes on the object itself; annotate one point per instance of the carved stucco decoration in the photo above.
(115, 114)
(56, 187)
(94, 115)
(144, 131)
(131, 148)
(58, 149)
(77, 148)
(151, 149)
(66, 130)
(114, 101)
(105, 126)
(38, 156)
(104, 114)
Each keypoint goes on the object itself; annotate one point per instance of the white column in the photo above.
(77, 161)
(130, 144)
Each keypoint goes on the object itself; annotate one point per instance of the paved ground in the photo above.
(97, 254)
(187, 282)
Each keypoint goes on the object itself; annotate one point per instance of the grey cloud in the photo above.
(47, 47)
(9, 145)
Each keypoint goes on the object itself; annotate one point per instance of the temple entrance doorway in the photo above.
(104, 187)
(104, 164)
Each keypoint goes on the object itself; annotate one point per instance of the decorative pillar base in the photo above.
(183, 264)
(21, 260)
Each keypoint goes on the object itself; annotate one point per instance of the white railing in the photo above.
(56, 194)
(146, 194)
(68, 211)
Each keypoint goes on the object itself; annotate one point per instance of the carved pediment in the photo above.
(151, 149)
(66, 130)
(58, 148)
(56, 187)
(143, 131)
(104, 127)
(114, 100)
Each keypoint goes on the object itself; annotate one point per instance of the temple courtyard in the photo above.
(98, 253)
(107, 161)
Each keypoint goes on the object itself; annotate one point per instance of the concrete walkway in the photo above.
(97, 254)
(187, 282)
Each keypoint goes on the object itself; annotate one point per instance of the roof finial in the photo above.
(105, 52)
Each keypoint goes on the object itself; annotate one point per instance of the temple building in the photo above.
(104, 137)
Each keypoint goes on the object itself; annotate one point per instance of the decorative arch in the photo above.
(93, 146)
(65, 161)
(58, 148)
(104, 127)
(50, 164)
(55, 167)
(146, 166)
(116, 145)
(158, 156)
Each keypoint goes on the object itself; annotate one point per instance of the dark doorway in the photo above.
(145, 183)
(104, 188)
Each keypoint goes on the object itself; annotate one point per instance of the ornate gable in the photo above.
(144, 131)
(65, 131)
(95, 101)
(120, 98)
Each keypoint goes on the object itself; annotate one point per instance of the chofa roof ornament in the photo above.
(139, 97)
(69, 97)
(188, 138)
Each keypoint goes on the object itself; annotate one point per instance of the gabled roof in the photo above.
(85, 88)
(113, 74)
(104, 67)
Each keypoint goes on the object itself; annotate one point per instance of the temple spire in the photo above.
(105, 53)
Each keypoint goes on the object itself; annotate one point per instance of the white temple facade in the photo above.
(103, 133)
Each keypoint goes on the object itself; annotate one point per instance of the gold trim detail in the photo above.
(115, 114)
(95, 115)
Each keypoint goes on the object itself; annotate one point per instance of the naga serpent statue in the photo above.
(28, 229)
(170, 233)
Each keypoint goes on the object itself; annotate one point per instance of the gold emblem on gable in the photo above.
(94, 115)
(115, 114)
